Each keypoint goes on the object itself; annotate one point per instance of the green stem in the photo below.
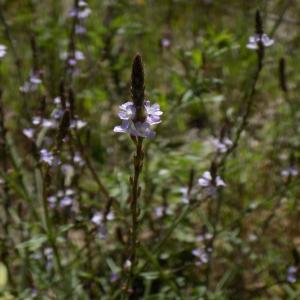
(135, 193)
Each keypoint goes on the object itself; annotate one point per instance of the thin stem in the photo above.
(135, 193)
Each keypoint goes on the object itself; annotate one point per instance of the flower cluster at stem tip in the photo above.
(254, 41)
(139, 129)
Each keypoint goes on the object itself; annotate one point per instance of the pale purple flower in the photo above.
(127, 111)
(48, 252)
(52, 201)
(48, 123)
(78, 159)
(292, 274)
(28, 132)
(257, 38)
(82, 3)
(57, 113)
(66, 201)
(204, 237)
(79, 55)
(97, 218)
(165, 42)
(28, 87)
(290, 171)
(206, 180)
(34, 79)
(222, 145)
(142, 129)
(68, 171)
(34, 293)
(126, 127)
(79, 29)
(84, 13)
(73, 57)
(102, 231)
(2, 51)
(72, 12)
(153, 113)
(114, 277)
(135, 129)
(201, 255)
(31, 85)
(210, 186)
(47, 156)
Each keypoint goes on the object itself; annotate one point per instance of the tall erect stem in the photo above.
(137, 91)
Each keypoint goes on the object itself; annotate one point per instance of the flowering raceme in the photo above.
(142, 129)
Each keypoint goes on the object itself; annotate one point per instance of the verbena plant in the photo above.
(174, 176)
